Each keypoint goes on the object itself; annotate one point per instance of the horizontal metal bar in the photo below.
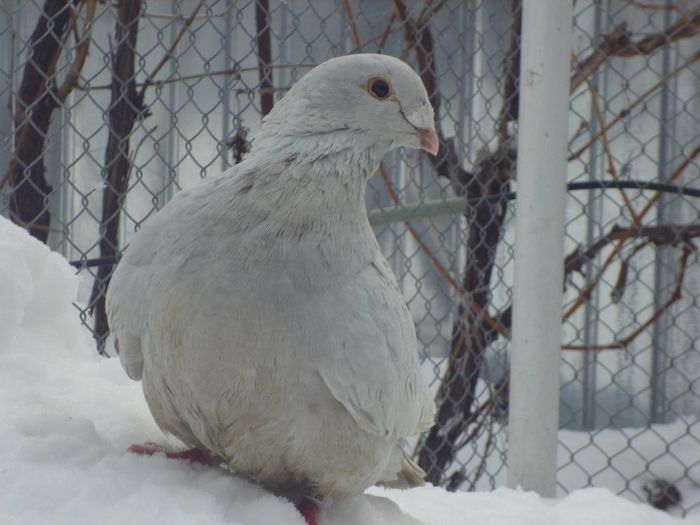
(437, 207)
(453, 205)
(421, 210)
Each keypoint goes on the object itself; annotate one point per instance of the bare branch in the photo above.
(76, 67)
(652, 7)
(509, 110)
(419, 39)
(628, 233)
(126, 106)
(618, 43)
(169, 53)
(456, 396)
(606, 145)
(660, 235)
(673, 298)
(621, 283)
(385, 34)
(627, 110)
(353, 26)
(34, 107)
(687, 25)
(609, 46)
(234, 72)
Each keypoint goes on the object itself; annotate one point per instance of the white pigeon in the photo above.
(258, 311)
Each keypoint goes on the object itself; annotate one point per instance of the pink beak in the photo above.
(429, 140)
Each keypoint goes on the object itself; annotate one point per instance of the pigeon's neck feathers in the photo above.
(311, 173)
(319, 149)
(309, 188)
(310, 182)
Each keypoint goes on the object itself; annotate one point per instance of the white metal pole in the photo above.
(539, 246)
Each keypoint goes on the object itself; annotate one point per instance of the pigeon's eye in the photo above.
(379, 88)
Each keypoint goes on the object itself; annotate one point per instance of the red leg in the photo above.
(309, 509)
(149, 448)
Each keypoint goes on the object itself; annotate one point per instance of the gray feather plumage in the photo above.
(257, 308)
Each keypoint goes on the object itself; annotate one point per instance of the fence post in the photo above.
(539, 245)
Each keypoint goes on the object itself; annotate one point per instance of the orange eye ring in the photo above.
(380, 88)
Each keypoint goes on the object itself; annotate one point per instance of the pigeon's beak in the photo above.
(423, 121)
(429, 140)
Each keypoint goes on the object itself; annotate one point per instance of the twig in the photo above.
(687, 25)
(74, 19)
(446, 163)
(125, 108)
(609, 46)
(493, 324)
(618, 44)
(509, 110)
(627, 110)
(482, 421)
(673, 297)
(169, 53)
(429, 11)
(137, 148)
(621, 283)
(664, 234)
(582, 128)
(165, 16)
(627, 233)
(674, 175)
(236, 71)
(606, 145)
(33, 110)
(76, 67)
(400, 12)
(418, 38)
(387, 31)
(351, 20)
(645, 5)
(472, 324)
(38, 227)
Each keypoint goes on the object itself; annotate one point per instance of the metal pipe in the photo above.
(436, 207)
(665, 265)
(594, 217)
(539, 245)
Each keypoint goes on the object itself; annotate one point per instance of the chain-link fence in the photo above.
(108, 108)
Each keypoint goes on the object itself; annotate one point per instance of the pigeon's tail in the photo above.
(402, 473)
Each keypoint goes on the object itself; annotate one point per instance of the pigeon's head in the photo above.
(367, 98)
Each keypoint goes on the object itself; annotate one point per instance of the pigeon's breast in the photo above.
(235, 355)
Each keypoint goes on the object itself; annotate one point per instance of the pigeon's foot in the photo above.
(193, 455)
(309, 509)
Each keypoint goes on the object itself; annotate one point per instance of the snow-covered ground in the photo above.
(67, 417)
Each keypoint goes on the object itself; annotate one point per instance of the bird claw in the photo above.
(193, 455)
(309, 510)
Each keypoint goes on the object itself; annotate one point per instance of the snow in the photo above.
(68, 417)
(625, 459)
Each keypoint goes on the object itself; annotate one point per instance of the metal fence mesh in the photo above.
(109, 108)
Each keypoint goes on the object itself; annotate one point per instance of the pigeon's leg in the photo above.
(193, 455)
(309, 509)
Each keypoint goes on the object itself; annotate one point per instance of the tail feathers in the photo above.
(407, 476)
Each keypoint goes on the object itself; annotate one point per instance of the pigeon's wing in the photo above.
(376, 376)
(169, 244)
(128, 299)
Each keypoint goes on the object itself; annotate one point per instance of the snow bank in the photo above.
(68, 416)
